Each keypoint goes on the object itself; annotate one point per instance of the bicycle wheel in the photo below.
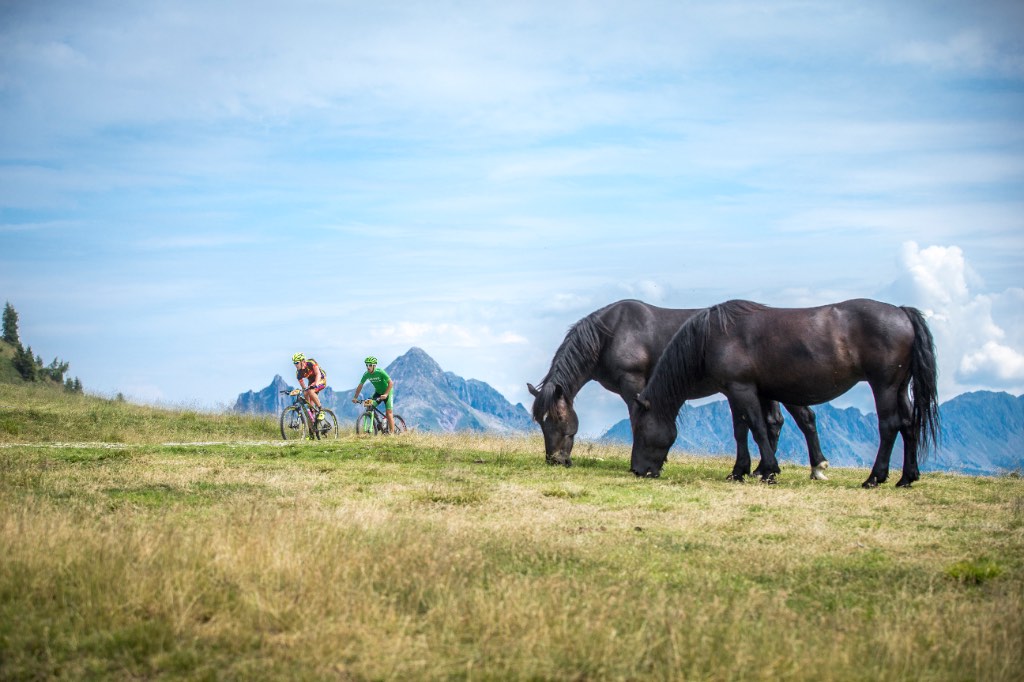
(399, 425)
(293, 426)
(328, 427)
(364, 424)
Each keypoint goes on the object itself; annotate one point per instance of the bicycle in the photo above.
(373, 422)
(298, 420)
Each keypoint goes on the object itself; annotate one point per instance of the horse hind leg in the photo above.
(911, 472)
(889, 422)
(808, 424)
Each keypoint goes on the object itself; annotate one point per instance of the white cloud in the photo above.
(994, 363)
(967, 51)
(976, 350)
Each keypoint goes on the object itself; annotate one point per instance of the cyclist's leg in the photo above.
(314, 399)
(315, 393)
(389, 410)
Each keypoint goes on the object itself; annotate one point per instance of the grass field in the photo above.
(466, 557)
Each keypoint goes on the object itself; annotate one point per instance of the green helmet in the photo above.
(298, 357)
(370, 360)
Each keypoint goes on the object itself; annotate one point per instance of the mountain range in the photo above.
(981, 433)
(427, 397)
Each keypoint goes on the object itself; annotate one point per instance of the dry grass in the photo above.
(465, 557)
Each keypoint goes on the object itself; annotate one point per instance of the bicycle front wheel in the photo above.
(364, 424)
(293, 425)
(328, 426)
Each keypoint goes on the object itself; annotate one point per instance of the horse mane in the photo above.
(573, 362)
(682, 362)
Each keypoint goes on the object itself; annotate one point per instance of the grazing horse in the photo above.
(802, 356)
(618, 347)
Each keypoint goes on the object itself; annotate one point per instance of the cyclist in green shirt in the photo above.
(384, 388)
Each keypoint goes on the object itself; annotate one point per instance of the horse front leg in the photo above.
(748, 414)
(741, 467)
(773, 421)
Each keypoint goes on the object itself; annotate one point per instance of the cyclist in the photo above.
(384, 388)
(316, 381)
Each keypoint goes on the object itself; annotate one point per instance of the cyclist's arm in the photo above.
(317, 376)
(387, 391)
(359, 389)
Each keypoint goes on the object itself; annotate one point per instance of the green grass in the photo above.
(43, 413)
(466, 557)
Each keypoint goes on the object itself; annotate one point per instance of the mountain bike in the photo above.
(298, 420)
(373, 422)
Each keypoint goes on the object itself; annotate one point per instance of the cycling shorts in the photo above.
(389, 404)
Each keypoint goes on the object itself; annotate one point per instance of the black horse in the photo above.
(803, 356)
(618, 347)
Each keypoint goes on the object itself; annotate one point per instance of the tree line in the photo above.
(31, 366)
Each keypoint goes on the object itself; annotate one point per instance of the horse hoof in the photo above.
(735, 478)
(903, 483)
(870, 483)
(817, 473)
(769, 479)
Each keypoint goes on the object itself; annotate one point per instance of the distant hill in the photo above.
(47, 375)
(427, 397)
(982, 433)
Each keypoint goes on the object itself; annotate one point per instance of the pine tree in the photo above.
(56, 370)
(25, 363)
(11, 325)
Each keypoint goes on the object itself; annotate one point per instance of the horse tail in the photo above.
(680, 364)
(924, 381)
(573, 363)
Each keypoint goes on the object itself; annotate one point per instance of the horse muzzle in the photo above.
(560, 458)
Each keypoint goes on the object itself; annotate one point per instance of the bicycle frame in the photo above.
(301, 409)
(372, 410)
(306, 409)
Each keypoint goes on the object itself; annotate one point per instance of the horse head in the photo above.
(553, 410)
(653, 435)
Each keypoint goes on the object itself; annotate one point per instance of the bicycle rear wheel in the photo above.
(293, 426)
(328, 426)
(399, 424)
(365, 425)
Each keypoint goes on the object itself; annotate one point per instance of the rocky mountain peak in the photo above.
(427, 397)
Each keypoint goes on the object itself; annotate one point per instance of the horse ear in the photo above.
(533, 390)
(646, 404)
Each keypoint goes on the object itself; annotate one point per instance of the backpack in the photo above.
(323, 372)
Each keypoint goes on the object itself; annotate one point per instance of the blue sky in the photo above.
(190, 192)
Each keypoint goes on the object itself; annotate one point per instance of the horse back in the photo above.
(636, 335)
(810, 355)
